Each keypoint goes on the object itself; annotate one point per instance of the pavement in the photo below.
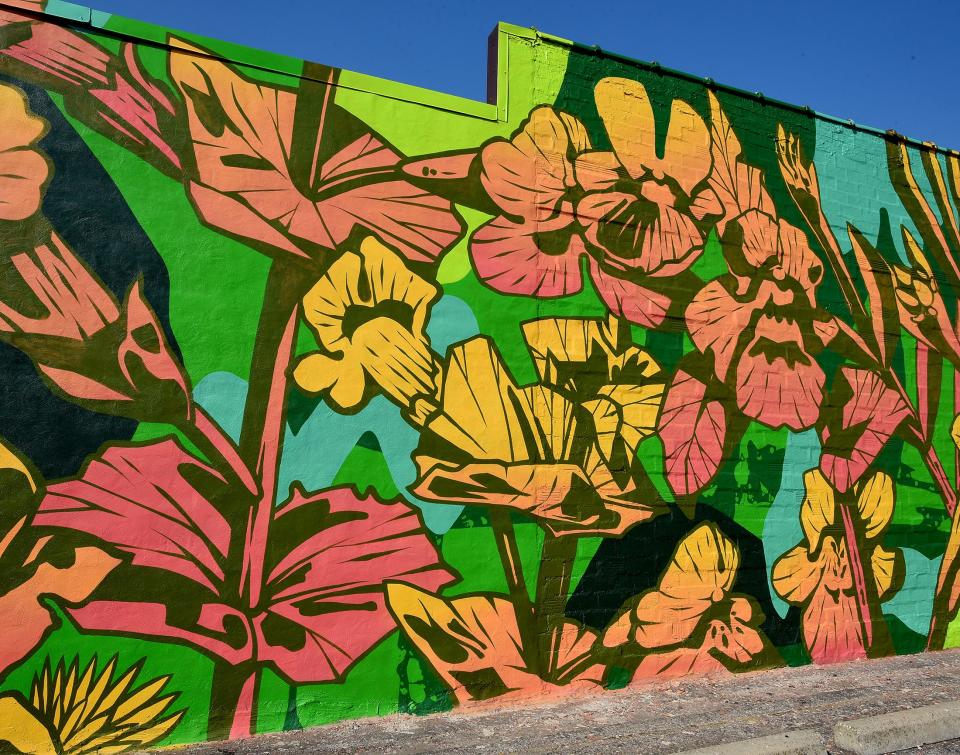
(653, 718)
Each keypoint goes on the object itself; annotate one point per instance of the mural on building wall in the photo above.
(299, 425)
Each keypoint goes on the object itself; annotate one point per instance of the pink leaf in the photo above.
(692, 430)
(141, 500)
(219, 629)
(326, 587)
(858, 431)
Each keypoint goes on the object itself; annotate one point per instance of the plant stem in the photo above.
(876, 637)
(264, 418)
(506, 540)
(206, 435)
(233, 701)
(553, 585)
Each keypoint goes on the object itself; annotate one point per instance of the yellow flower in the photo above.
(368, 313)
(23, 168)
(594, 363)
(494, 443)
(817, 574)
(77, 712)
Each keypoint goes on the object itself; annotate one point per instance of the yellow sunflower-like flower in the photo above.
(595, 364)
(368, 313)
(73, 712)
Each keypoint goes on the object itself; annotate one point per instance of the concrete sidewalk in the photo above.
(665, 718)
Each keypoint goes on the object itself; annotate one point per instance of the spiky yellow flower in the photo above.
(77, 712)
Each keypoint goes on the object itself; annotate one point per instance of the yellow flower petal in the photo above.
(9, 460)
(888, 571)
(316, 372)
(819, 509)
(19, 127)
(639, 407)
(627, 115)
(686, 153)
(479, 414)
(795, 576)
(875, 503)
(22, 728)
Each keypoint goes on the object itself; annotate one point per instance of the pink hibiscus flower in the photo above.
(636, 216)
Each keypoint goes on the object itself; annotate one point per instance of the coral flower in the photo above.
(817, 574)
(474, 643)
(636, 215)
(23, 169)
(641, 211)
(761, 323)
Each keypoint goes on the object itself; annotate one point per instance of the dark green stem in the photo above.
(553, 587)
(506, 540)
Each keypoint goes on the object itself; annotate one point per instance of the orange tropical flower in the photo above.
(641, 210)
(28, 564)
(474, 644)
(85, 712)
(23, 168)
(692, 621)
(760, 322)
(817, 574)
(638, 217)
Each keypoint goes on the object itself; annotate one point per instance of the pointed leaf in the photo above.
(693, 429)
(863, 413)
(876, 275)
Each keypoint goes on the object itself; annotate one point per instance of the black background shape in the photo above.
(85, 207)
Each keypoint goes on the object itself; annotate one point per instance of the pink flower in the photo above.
(761, 323)
(635, 215)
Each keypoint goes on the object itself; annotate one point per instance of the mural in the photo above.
(322, 401)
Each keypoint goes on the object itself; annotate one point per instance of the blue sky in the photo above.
(891, 65)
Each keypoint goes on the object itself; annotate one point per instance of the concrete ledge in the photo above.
(900, 730)
(800, 742)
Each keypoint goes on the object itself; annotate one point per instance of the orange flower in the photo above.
(473, 642)
(23, 168)
(640, 210)
(692, 622)
(637, 216)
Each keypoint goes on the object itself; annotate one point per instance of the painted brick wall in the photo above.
(327, 397)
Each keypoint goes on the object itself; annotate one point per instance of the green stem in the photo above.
(233, 701)
(506, 539)
(264, 419)
(553, 586)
